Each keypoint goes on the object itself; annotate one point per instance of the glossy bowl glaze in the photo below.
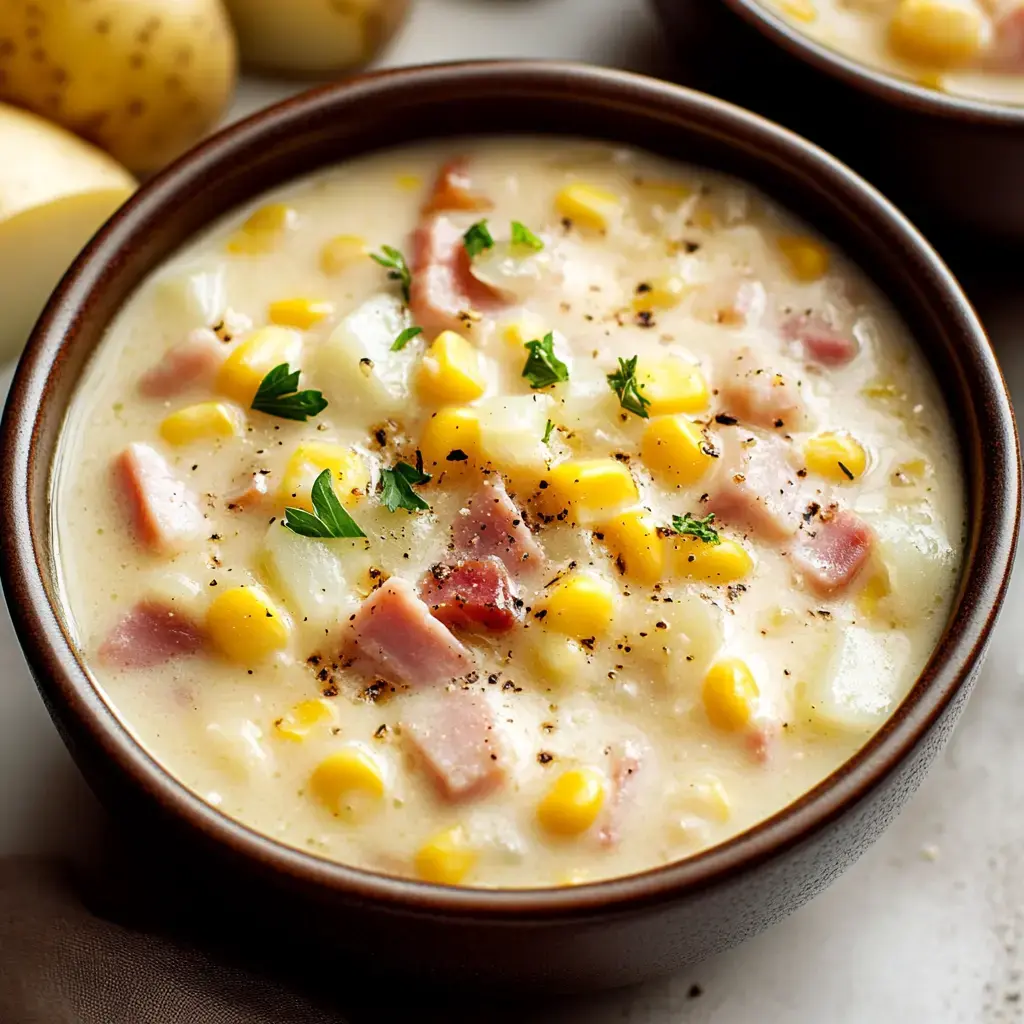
(610, 933)
(951, 160)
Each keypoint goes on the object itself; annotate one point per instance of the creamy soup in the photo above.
(510, 515)
(971, 47)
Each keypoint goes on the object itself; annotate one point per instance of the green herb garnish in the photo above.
(278, 395)
(328, 518)
(477, 239)
(404, 338)
(397, 484)
(548, 428)
(397, 268)
(543, 368)
(690, 525)
(624, 383)
(523, 236)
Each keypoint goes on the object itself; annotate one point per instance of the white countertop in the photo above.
(927, 927)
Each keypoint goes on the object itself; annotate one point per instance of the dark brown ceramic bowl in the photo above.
(593, 935)
(950, 160)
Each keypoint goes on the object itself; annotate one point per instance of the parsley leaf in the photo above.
(396, 487)
(477, 239)
(523, 236)
(404, 338)
(278, 395)
(397, 268)
(543, 367)
(548, 428)
(692, 526)
(328, 518)
(624, 383)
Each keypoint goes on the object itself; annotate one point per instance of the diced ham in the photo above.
(394, 632)
(760, 739)
(443, 285)
(626, 764)
(1007, 49)
(490, 525)
(190, 364)
(452, 735)
(833, 551)
(164, 513)
(453, 190)
(757, 487)
(758, 395)
(152, 633)
(251, 494)
(471, 594)
(821, 343)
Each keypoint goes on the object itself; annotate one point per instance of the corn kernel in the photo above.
(450, 370)
(297, 723)
(455, 428)
(580, 606)
(447, 858)
(801, 10)
(300, 313)
(673, 449)
(942, 33)
(590, 487)
(409, 182)
(632, 536)
(807, 259)
(341, 252)
(203, 422)
(348, 473)
(661, 293)
(242, 372)
(721, 563)
(588, 206)
(263, 229)
(874, 591)
(837, 457)
(574, 876)
(730, 694)
(347, 780)
(517, 333)
(573, 802)
(246, 625)
(671, 386)
(709, 798)
(557, 659)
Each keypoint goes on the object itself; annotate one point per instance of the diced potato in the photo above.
(664, 292)
(512, 432)
(672, 385)
(446, 858)
(263, 230)
(581, 606)
(706, 797)
(673, 449)
(244, 369)
(299, 312)
(246, 626)
(632, 537)
(236, 748)
(807, 259)
(941, 33)
(299, 721)
(349, 473)
(341, 252)
(557, 659)
(836, 456)
(189, 298)
(348, 782)
(573, 802)
(590, 488)
(590, 207)
(185, 595)
(206, 421)
(721, 563)
(730, 695)
(450, 371)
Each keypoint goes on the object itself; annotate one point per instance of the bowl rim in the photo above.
(876, 82)
(65, 684)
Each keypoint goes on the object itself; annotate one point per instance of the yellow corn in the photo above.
(632, 536)
(341, 252)
(450, 371)
(263, 229)
(297, 723)
(348, 473)
(581, 606)
(673, 449)
(730, 695)
(300, 313)
(801, 10)
(245, 625)
(806, 258)
(661, 293)
(942, 33)
(203, 422)
(446, 858)
(709, 798)
(242, 372)
(721, 563)
(573, 802)
(672, 385)
(452, 429)
(347, 780)
(589, 486)
(588, 206)
(874, 591)
(409, 182)
(835, 456)
(517, 333)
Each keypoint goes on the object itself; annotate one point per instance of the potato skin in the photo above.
(313, 38)
(142, 79)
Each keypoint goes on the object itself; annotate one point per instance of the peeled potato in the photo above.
(55, 191)
(143, 79)
(314, 37)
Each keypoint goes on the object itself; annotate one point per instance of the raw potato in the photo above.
(53, 197)
(314, 37)
(143, 79)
